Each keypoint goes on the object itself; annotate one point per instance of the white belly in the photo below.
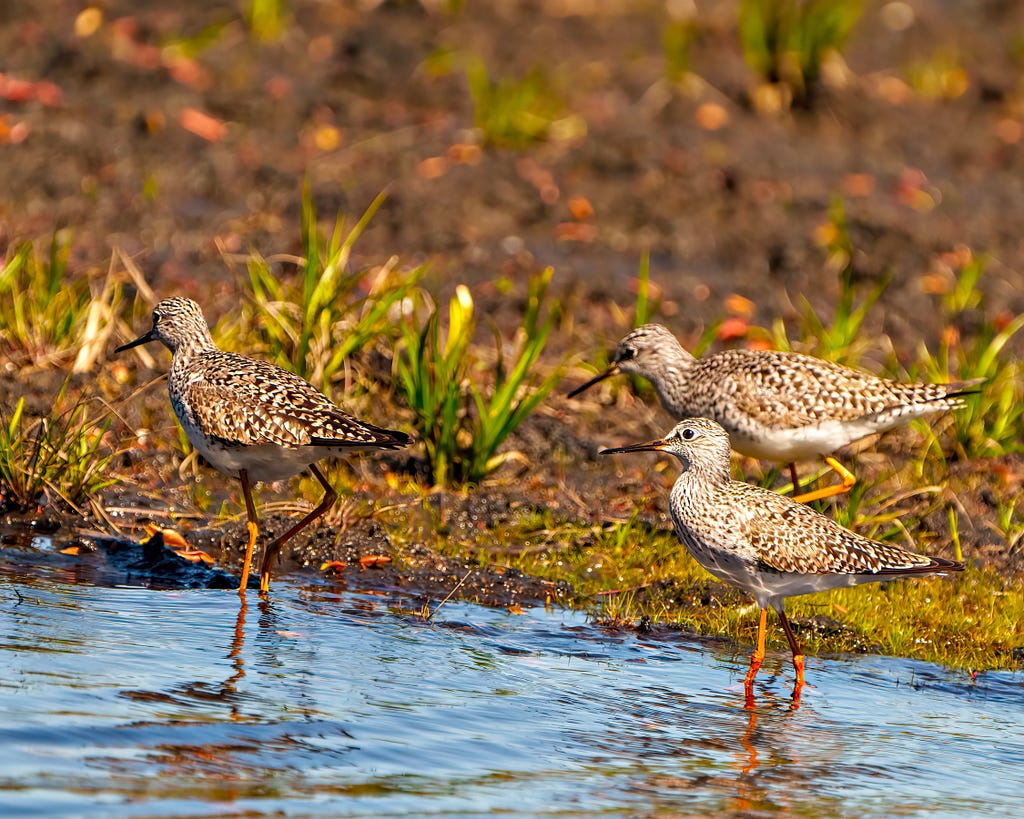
(800, 443)
(770, 588)
(265, 463)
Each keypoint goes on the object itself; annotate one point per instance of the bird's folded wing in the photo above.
(798, 539)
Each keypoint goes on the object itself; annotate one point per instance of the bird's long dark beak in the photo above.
(649, 446)
(612, 370)
(143, 339)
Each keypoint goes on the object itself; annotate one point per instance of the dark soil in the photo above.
(727, 210)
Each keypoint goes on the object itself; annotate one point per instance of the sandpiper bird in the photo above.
(252, 420)
(779, 406)
(767, 544)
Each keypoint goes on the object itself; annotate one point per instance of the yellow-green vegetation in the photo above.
(267, 19)
(516, 113)
(838, 339)
(62, 454)
(50, 316)
(463, 424)
(942, 75)
(622, 572)
(53, 318)
(991, 423)
(313, 322)
(677, 38)
(787, 41)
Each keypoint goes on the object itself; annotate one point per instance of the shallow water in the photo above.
(328, 701)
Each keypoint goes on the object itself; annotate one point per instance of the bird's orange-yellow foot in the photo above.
(846, 483)
(247, 563)
(798, 686)
(756, 658)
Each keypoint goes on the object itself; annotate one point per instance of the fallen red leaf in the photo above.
(373, 561)
(202, 125)
(465, 154)
(172, 538)
(576, 232)
(732, 328)
(580, 207)
(194, 555)
(711, 116)
(433, 167)
(12, 134)
(739, 305)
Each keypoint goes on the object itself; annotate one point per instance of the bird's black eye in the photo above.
(626, 353)
(688, 434)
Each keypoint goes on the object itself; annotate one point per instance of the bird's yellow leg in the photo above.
(798, 657)
(252, 525)
(330, 496)
(757, 657)
(847, 482)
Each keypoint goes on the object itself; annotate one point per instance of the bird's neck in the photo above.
(705, 475)
(670, 378)
(196, 343)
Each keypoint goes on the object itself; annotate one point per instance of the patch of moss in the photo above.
(624, 572)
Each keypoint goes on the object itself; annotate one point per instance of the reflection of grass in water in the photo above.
(626, 571)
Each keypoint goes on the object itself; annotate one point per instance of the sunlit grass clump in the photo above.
(465, 405)
(992, 423)
(51, 316)
(311, 323)
(838, 338)
(788, 41)
(61, 455)
(517, 113)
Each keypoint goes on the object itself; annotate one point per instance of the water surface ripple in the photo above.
(128, 702)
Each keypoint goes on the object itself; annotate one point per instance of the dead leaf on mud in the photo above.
(711, 116)
(176, 542)
(580, 208)
(732, 328)
(172, 537)
(202, 125)
(374, 561)
(336, 565)
(575, 232)
(193, 555)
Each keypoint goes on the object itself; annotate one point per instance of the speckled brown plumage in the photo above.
(764, 543)
(780, 406)
(239, 401)
(251, 419)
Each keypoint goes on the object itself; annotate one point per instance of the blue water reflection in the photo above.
(132, 702)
